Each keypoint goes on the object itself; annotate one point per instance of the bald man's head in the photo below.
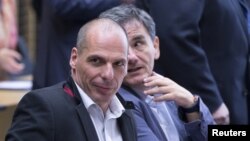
(100, 26)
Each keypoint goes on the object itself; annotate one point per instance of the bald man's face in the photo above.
(100, 68)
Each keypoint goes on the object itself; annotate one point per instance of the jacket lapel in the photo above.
(125, 122)
(149, 116)
(126, 126)
(87, 123)
(82, 112)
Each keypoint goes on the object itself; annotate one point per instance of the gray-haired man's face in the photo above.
(142, 53)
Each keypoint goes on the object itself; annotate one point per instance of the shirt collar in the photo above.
(115, 106)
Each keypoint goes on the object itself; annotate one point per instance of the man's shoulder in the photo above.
(46, 93)
(53, 97)
(47, 90)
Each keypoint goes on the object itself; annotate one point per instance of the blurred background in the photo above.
(27, 24)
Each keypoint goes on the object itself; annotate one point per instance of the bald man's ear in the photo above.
(73, 58)
(157, 47)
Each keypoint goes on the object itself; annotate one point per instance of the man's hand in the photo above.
(221, 115)
(9, 61)
(169, 90)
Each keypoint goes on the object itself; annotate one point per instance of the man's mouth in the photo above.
(104, 86)
(134, 69)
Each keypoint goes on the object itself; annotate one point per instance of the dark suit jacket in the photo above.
(57, 114)
(204, 47)
(149, 129)
(59, 23)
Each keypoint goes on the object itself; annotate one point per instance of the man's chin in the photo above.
(133, 82)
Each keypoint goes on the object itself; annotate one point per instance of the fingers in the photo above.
(14, 67)
(158, 84)
(157, 80)
(222, 120)
(15, 54)
(9, 61)
(169, 90)
(165, 97)
(221, 115)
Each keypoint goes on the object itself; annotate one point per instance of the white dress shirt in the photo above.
(105, 123)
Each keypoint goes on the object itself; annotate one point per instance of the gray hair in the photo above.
(126, 13)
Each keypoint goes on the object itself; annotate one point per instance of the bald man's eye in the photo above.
(95, 61)
(120, 63)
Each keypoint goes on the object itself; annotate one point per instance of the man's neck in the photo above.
(139, 89)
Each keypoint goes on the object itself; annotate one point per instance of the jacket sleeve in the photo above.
(32, 120)
(183, 58)
(198, 130)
